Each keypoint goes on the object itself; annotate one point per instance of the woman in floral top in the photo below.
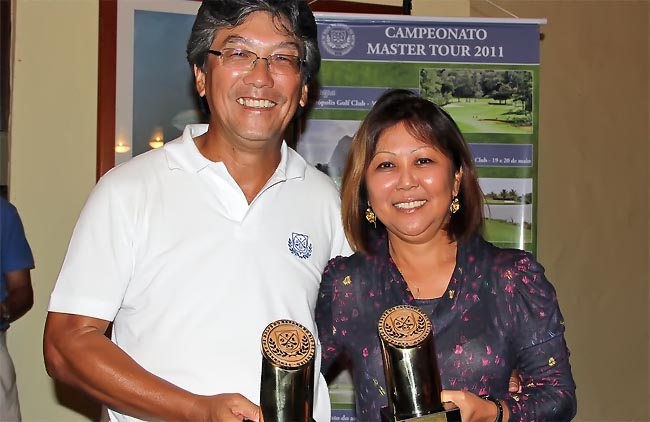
(410, 175)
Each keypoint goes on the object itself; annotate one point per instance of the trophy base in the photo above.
(452, 415)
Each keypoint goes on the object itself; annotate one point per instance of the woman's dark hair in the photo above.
(294, 16)
(429, 123)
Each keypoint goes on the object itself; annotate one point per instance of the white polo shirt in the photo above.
(168, 247)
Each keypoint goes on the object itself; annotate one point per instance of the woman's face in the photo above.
(410, 186)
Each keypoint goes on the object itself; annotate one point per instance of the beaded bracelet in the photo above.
(499, 407)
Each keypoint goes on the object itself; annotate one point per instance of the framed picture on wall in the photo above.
(146, 92)
(146, 86)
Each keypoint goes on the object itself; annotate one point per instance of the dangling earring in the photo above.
(371, 217)
(454, 206)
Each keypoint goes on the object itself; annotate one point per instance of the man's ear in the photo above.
(304, 96)
(199, 80)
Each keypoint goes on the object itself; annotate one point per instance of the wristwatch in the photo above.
(496, 401)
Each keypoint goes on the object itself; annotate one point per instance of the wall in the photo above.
(593, 182)
(593, 192)
(52, 168)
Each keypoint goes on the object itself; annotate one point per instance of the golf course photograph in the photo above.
(508, 211)
(482, 100)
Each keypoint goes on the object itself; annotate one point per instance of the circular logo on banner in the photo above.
(338, 39)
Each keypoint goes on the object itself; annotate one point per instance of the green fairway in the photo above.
(483, 116)
(498, 231)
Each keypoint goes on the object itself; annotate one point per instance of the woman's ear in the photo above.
(458, 177)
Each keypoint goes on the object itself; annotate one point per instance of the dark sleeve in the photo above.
(325, 321)
(548, 392)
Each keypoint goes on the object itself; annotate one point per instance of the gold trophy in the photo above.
(287, 386)
(410, 368)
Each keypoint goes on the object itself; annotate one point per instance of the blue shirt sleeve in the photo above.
(15, 253)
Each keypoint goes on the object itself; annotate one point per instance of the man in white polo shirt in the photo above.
(191, 250)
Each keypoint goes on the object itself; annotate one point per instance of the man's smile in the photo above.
(255, 103)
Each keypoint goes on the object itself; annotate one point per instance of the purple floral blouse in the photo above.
(499, 312)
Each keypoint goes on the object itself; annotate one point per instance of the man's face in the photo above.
(249, 105)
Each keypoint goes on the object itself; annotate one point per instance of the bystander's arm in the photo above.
(20, 295)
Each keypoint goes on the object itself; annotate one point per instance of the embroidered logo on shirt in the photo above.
(299, 245)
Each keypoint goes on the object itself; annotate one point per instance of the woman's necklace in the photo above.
(416, 293)
(414, 288)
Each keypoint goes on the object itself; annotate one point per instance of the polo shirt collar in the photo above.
(183, 154)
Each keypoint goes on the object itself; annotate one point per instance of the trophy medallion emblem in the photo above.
(410, 367)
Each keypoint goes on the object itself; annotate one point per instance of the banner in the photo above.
(484, 73)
